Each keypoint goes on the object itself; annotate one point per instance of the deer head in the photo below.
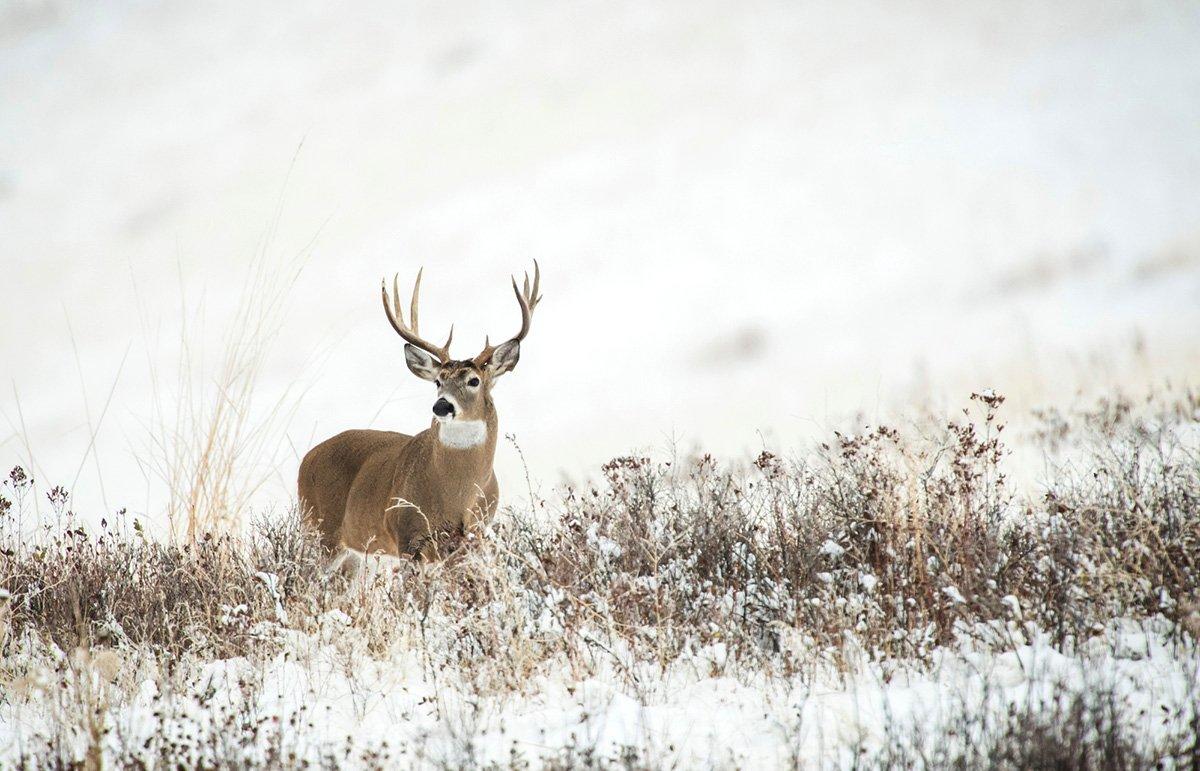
(463, 386)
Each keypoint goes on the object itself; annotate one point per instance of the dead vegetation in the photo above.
(878, 546)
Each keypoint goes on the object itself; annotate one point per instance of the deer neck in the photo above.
(462, 434)
(468, 446)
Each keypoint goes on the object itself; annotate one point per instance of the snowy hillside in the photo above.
(754, 218)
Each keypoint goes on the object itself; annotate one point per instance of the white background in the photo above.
(754, 219)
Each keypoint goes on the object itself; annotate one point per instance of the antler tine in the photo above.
(527, 299)
(412, 307)
(536, 297)
(396, 299)
(411, 333)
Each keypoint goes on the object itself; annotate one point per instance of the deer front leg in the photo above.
(345, 561)
(484, 507)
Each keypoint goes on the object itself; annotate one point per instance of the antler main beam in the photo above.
(410, 333)
(528, 298)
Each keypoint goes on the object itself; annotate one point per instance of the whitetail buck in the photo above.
(382, 492)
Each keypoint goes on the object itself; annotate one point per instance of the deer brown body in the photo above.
(383, 492)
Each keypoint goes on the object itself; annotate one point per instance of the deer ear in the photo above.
(420, 363)
(504, 358)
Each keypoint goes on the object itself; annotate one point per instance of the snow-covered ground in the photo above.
(701, 712)
(320, 697)
(753, 218)
(888, 600)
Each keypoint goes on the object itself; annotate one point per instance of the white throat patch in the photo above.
(462, 434)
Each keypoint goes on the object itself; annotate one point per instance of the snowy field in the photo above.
(757, 222)
(888, 601)
(754, 219)
(704, 711)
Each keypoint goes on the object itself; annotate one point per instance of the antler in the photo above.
(410, 333)
(527, 298)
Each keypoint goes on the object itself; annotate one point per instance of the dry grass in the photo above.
(897, 538)
(1067, 730)
(213, 439)
(876, 547)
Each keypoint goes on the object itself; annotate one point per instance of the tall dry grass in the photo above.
(214, 437)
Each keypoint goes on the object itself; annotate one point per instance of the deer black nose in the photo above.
(442, 408)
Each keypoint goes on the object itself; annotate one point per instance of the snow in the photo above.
(752, 218)
(271, 581)
(700, 710)
(832, 549)
(602, 543)
(954, 594)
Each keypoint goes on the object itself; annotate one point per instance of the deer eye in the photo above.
(438, 383)
(473, 382)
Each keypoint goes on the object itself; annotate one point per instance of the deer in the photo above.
(370, 492)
